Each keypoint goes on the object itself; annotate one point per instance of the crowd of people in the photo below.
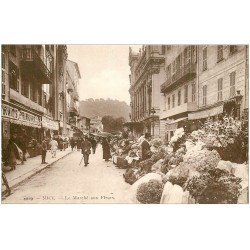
(113, 147)
(20, 147)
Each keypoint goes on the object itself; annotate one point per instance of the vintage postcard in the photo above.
(129, 124)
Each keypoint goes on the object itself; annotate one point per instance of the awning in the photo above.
(178, 120)
(173, 124)
(50, 124)
(206, 113)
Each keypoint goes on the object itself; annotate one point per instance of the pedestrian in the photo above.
(78, 144)
(22, 144)
(145, 147)
(65, 143)
(72, 143)
(60, 143)
(94, 144)
(106, 149)
(53, 147)
(12, 152)
(44, 150)
(86, 150)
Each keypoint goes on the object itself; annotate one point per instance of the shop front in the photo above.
(50, 127)
(172, 125)
(26, 126)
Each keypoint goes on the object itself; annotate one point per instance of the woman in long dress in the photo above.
(12, 154)
(106, 149)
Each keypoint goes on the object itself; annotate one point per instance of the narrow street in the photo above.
(67, 182)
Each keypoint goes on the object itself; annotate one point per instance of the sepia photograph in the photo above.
(125, 124)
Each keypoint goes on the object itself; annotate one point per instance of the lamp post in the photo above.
(152, 111)
(238, 100)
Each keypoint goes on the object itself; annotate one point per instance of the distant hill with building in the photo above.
(101, 107)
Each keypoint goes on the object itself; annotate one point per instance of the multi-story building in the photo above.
(180, 87)
(96, 125)
(84, 124)
(60, 90)
(223, 81)
(147, 73)
(203, 81)
(28, 84)
(72, 97)
(186, 83)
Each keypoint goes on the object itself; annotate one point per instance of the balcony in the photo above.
(184, 74)
(185, 107)
(16, 96)
(33, 66)
(73, 110)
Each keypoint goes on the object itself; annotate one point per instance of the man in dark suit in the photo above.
(145, 146)
(44, 150)
(86, 150)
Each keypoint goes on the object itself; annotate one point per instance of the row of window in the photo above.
(204, 93)
(29, 90)
(185, 58)
(220, 56)
(220, 89)
(179, 97)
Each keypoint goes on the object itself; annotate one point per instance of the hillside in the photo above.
(100, 107)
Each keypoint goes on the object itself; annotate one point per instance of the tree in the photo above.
(111, 124)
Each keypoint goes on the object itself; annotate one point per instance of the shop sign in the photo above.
(50, 124)
(20, 117)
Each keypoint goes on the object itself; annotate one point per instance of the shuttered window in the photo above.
(173, 101)
(220, 86)
(204, 58)
(219, 53)
(169, 103)
(186, 94)
(232, 84)
(193, 92)
(204, 92)
(179, 97)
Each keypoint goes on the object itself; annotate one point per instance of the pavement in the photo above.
(68, 182)
(32, 167)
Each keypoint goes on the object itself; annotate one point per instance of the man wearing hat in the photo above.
(145, 147)
(86, 150)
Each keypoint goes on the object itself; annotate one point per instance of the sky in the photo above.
(104, 70)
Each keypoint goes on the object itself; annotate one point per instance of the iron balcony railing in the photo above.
(185, 73)
(32, 61)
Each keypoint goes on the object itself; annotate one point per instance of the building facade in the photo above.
(27, 90)
(60, 90)
(186, 84)
(179, 91)
(72, 97)
(84, 124)
(147, 72)
(96, 125)
(223, 81)
(34, 91)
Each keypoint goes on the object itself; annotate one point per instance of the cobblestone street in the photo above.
(67, 182)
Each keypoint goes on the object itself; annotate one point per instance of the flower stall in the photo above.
(208, 165)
